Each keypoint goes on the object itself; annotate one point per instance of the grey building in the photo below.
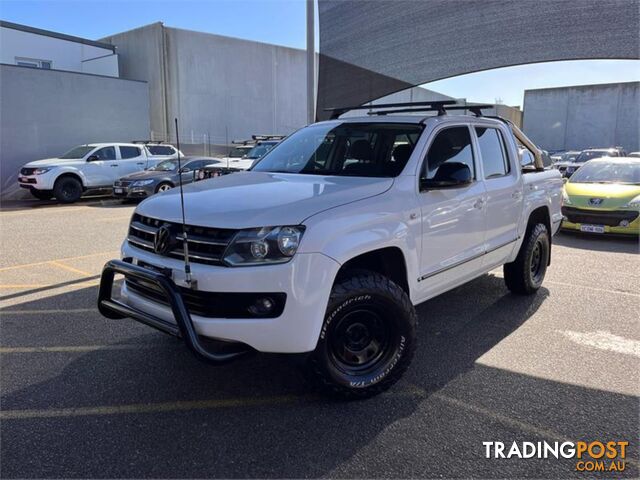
(575, 118)
(220, 88)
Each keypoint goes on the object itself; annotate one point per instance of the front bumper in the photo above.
(44, 181)
(306, 280)
(133, 192)
(574, 218)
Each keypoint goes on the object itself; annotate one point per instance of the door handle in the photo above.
(478, 203)
(140, 163)
(114, 164)
(516, 194)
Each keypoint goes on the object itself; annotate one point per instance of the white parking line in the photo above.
(603, 340)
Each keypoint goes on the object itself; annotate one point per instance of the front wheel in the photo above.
(525, 274)
(163, 187)
(67, 189)
(367, 340)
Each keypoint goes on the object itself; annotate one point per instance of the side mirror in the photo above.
(185, 170)
(93, 158)
(526, 158)
(448, 175)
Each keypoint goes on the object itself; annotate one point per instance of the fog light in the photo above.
(624, 223)
(262, 306)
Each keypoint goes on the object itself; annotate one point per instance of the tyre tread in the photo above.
(367, 282)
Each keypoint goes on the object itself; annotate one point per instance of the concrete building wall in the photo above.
(44, 113)
(218, 87)
(575, 118)
(63, 54)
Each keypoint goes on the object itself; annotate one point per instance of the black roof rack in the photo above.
(267, 137)
(475, 109)
(147, 142)
(434, 105)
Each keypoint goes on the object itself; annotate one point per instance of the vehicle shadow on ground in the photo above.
(100, 201)
(600, 243)
(424, 427)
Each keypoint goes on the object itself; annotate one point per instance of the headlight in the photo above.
(267, 245)
(635, 203)
(40, 171)
(142, 183)
(565, 198)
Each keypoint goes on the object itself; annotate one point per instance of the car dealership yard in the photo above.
(83, 396)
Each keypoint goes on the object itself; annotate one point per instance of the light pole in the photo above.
(311, 62)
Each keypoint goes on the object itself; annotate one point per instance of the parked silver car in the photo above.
(163, 176)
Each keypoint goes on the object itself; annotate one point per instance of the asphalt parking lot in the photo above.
(83, 396)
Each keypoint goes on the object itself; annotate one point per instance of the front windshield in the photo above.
(569, 157)
(166, 166)
(348, 149)
(589, 155)
(238, 152)
(608, 172)
(259, 150)
(77, 152)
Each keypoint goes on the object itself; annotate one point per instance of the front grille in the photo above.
(206, 245)
(122, 183)
(27, 171)
(598, 217)
(213, 304)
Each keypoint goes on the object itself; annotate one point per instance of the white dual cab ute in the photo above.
(88, 168)
(327, 244)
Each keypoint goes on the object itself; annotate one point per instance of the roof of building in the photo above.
(61, 36)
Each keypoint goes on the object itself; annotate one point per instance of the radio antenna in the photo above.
(185, 240)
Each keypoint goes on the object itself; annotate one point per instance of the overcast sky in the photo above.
(283, 22)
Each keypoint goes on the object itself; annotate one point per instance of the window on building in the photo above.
(33, 63)
(130, 152)
(494, 155)
(451, 145)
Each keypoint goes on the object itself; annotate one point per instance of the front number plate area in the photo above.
(592, 228)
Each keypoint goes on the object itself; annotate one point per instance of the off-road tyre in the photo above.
(525, 274)
(67, 189)
(367, 340)
(42, 194)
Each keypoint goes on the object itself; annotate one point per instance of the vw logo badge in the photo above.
(596, 201)
(162, 240)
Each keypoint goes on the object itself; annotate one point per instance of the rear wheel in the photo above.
(163, 187)
(42, 194)
(525, 274)
(367, 339)
(67, 189)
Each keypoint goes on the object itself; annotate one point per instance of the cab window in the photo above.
(106, 153)
(451, 145)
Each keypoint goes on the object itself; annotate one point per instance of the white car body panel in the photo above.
(446, 237)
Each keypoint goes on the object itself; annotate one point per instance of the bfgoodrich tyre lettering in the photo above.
(367, 339)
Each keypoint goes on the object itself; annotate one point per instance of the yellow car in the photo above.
(603, 196)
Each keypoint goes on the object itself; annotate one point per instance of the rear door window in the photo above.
(495, 162)
(129, 152)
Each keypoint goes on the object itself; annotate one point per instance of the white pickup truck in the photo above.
(88, 168)
(327, 244)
